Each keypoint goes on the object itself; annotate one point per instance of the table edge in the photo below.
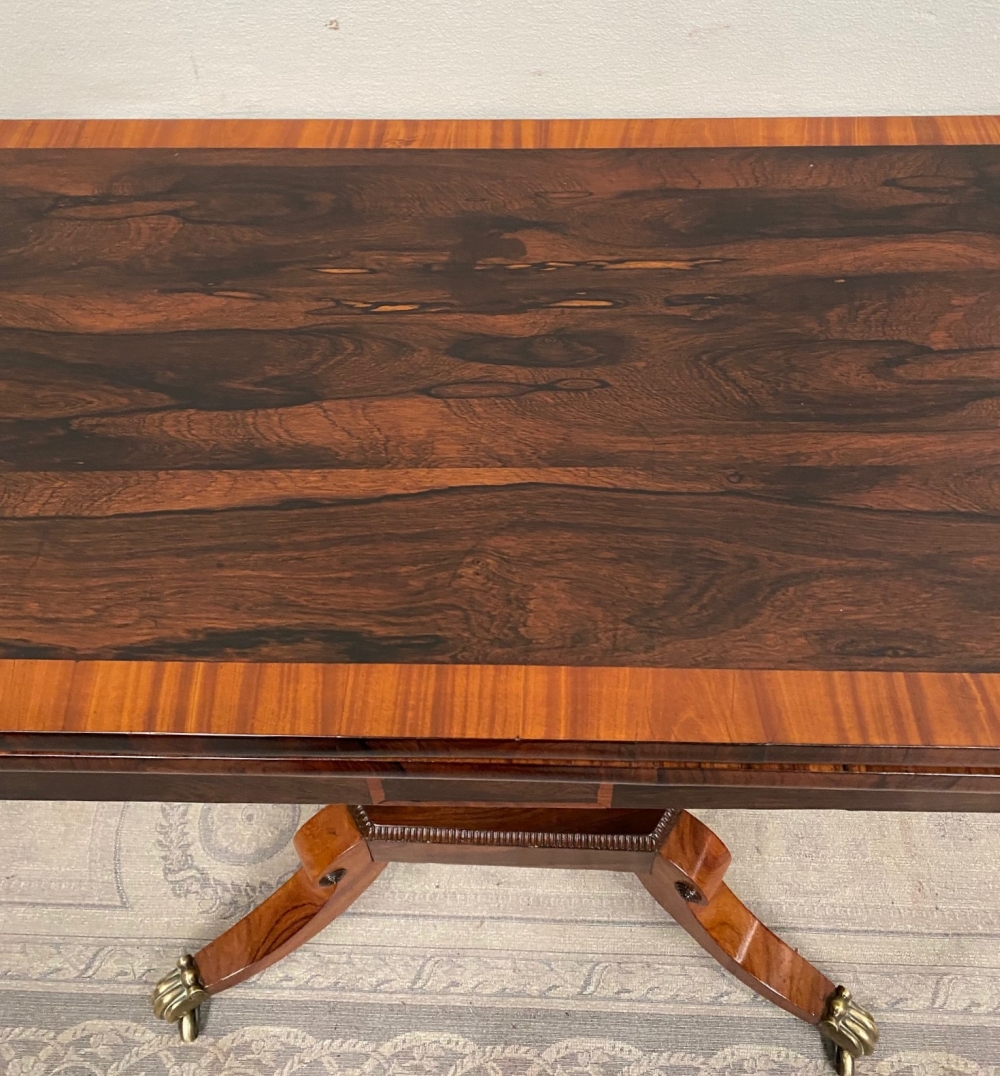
(846, 711)
(622, 133)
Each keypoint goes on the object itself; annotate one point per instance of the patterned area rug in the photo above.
(475, 971)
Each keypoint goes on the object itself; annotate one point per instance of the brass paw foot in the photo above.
(850, 1028)
(178, 996)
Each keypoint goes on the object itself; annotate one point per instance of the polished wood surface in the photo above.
(682, 865)
(502, 703)
(492, 734)
(916, 485)
(297, 910)
(683, 408)
(694, 858)
(298, 780)
(500, 134)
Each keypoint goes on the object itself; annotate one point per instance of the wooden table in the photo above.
(517, 484)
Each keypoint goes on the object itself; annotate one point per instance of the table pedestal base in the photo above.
(680, 861)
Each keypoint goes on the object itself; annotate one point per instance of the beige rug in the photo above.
(462, 971)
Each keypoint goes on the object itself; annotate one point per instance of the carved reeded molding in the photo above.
(598, 842)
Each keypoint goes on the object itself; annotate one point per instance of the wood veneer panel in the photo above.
(626, 705)
(691, 408)
(934, 709)
(501, 134)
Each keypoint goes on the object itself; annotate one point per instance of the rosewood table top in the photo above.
(638, 464)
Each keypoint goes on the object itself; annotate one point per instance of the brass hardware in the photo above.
(178, 996)
(188, 1026)
(688, 892)
(852, 1030)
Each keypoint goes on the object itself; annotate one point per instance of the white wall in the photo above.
(497, 58)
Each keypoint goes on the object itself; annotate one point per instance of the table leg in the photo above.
(686, 880)
(336, 869)
(678, 859)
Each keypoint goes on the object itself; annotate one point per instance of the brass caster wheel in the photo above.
(178, 996)
(850, 1028)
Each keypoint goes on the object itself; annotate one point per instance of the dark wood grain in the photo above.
(702, 408)
(515, 575)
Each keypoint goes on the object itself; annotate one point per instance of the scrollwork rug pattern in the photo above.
(124, 1049)
(482, 971)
